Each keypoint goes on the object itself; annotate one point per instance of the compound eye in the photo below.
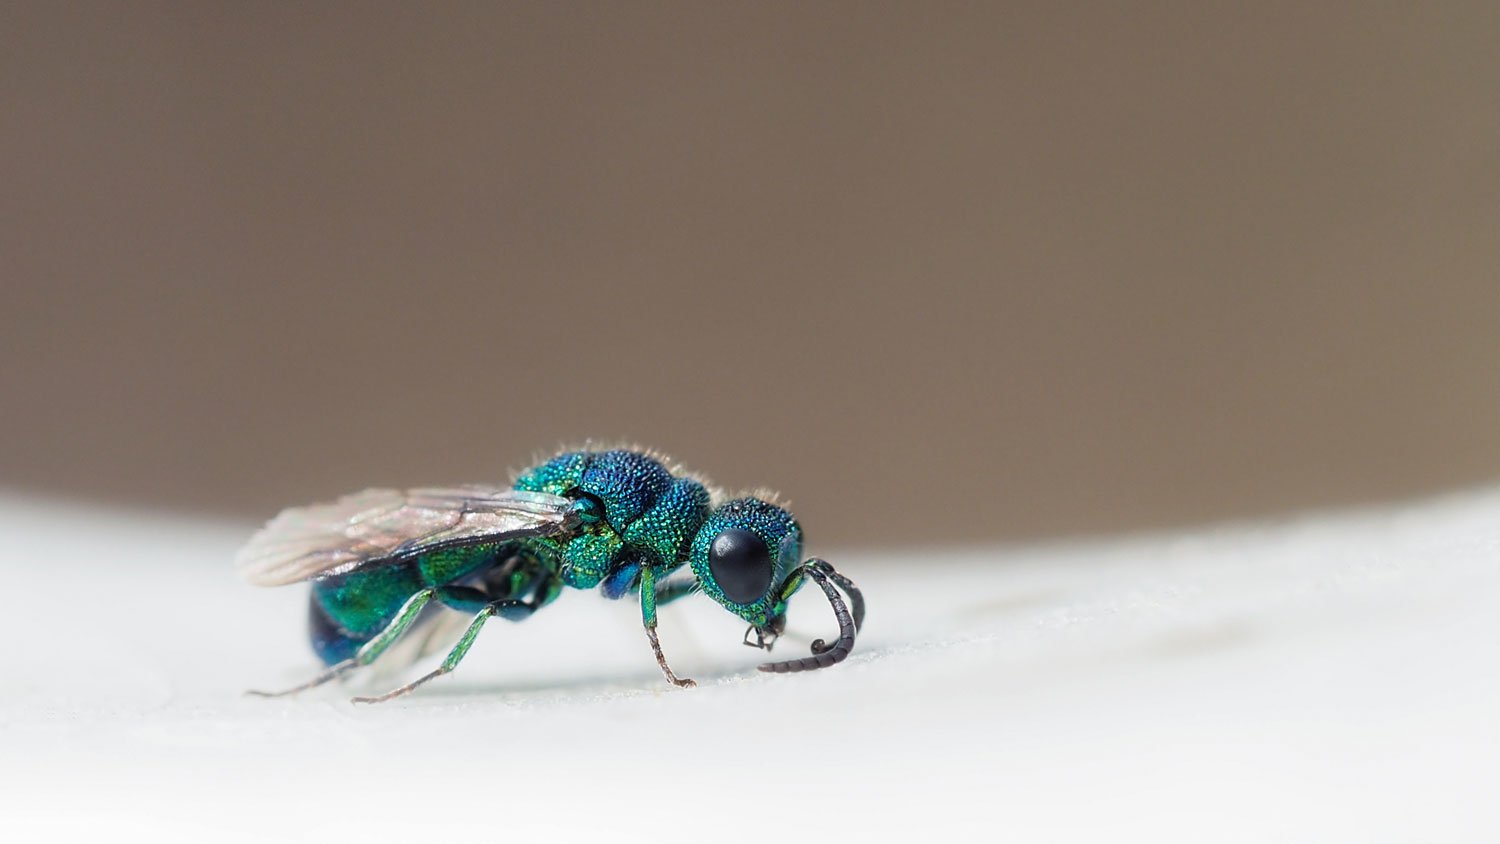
(741, 564)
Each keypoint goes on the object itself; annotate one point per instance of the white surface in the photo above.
(1329, 679)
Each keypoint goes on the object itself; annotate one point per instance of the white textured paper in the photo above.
(1323, 679)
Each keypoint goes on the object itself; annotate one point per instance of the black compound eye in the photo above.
(741, 564)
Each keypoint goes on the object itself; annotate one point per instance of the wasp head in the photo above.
(743, 551)
(745, 557)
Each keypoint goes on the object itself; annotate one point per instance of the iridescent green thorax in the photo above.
(650, 517)
(655, 520)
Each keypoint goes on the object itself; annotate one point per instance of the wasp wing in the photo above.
(378, 525)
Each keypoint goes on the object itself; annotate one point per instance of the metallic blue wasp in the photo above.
(382, 562)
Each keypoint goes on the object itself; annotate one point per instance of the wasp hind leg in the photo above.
(465, 598)
(369, 651)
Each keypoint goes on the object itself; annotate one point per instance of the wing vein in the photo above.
(378, 525)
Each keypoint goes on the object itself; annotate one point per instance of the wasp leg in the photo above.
(670, 591)
(507, 609)
(648, 618)
(369, 651)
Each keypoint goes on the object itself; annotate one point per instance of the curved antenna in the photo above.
(856, 599)
(825, 655)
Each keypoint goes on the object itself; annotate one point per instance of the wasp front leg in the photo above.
(648, 618)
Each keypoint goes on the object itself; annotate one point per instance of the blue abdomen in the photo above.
(347, 610)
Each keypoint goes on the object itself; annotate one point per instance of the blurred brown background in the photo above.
(939, 273)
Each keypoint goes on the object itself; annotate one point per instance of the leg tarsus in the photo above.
(406, 689)
(334, 671)
(661, 660)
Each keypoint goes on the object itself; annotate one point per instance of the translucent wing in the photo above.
(383, 524)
